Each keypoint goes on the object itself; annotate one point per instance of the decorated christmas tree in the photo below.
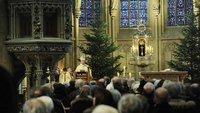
(187, 53)
(99, 50)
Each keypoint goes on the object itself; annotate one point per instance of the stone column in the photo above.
(114, 5)
(76, 29)
(39, 71)
(26, 61)
(156, 11)
(27, 75)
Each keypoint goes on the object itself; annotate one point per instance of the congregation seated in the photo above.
(156, 96)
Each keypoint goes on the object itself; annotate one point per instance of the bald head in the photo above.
(161, 95)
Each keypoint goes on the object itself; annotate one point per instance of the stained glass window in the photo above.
(178, 10)
(131, 11)
(90, 9)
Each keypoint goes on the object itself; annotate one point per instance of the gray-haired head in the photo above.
(79, 83)
(116, 95)
(104, 109)
(130, 103)
(48, 103)
(34, 106)
(148, 87)
(173, 89)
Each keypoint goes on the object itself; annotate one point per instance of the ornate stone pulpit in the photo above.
(39, 35)
(168, 75)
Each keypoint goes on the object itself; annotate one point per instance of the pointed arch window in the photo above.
(132, 11)
(90, 10)
(178, 10)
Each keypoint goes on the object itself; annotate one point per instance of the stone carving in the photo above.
(36, 23)
(38, 48)
(68, 23)
(156, 5)
(114, 4)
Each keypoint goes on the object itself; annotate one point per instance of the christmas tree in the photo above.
(187, 53)
(99, 49)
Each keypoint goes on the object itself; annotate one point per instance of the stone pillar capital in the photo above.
(114, 5)
(156, 12)
(77, 13)
(113, 13)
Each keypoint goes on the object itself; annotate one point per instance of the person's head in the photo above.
(34, 106)
(130, 103)
(46, 91)
(104, 109)
(64, 69)
(79, 83)
(161, 95)
(69, 69)
(82, 60)
(36, 92)
(85, 91)
(116, 82)
(145, 103)
(173, 90)
(72, 83)
(148, 88)
(103, 96)
(116, 96)
(194, 90)
(48, 103)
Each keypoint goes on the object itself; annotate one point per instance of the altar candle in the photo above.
(118, 74)
(124, 71)
(129, 75)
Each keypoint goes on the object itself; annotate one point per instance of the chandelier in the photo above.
(141, 49)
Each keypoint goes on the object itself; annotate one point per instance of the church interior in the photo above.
(39, 37)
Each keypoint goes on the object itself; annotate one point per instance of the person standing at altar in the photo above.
(83, 67)
(66, 75)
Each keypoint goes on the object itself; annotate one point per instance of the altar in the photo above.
(177, 76)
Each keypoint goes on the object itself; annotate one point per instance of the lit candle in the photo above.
(124, 71)
(118, 74)
(129, 75)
